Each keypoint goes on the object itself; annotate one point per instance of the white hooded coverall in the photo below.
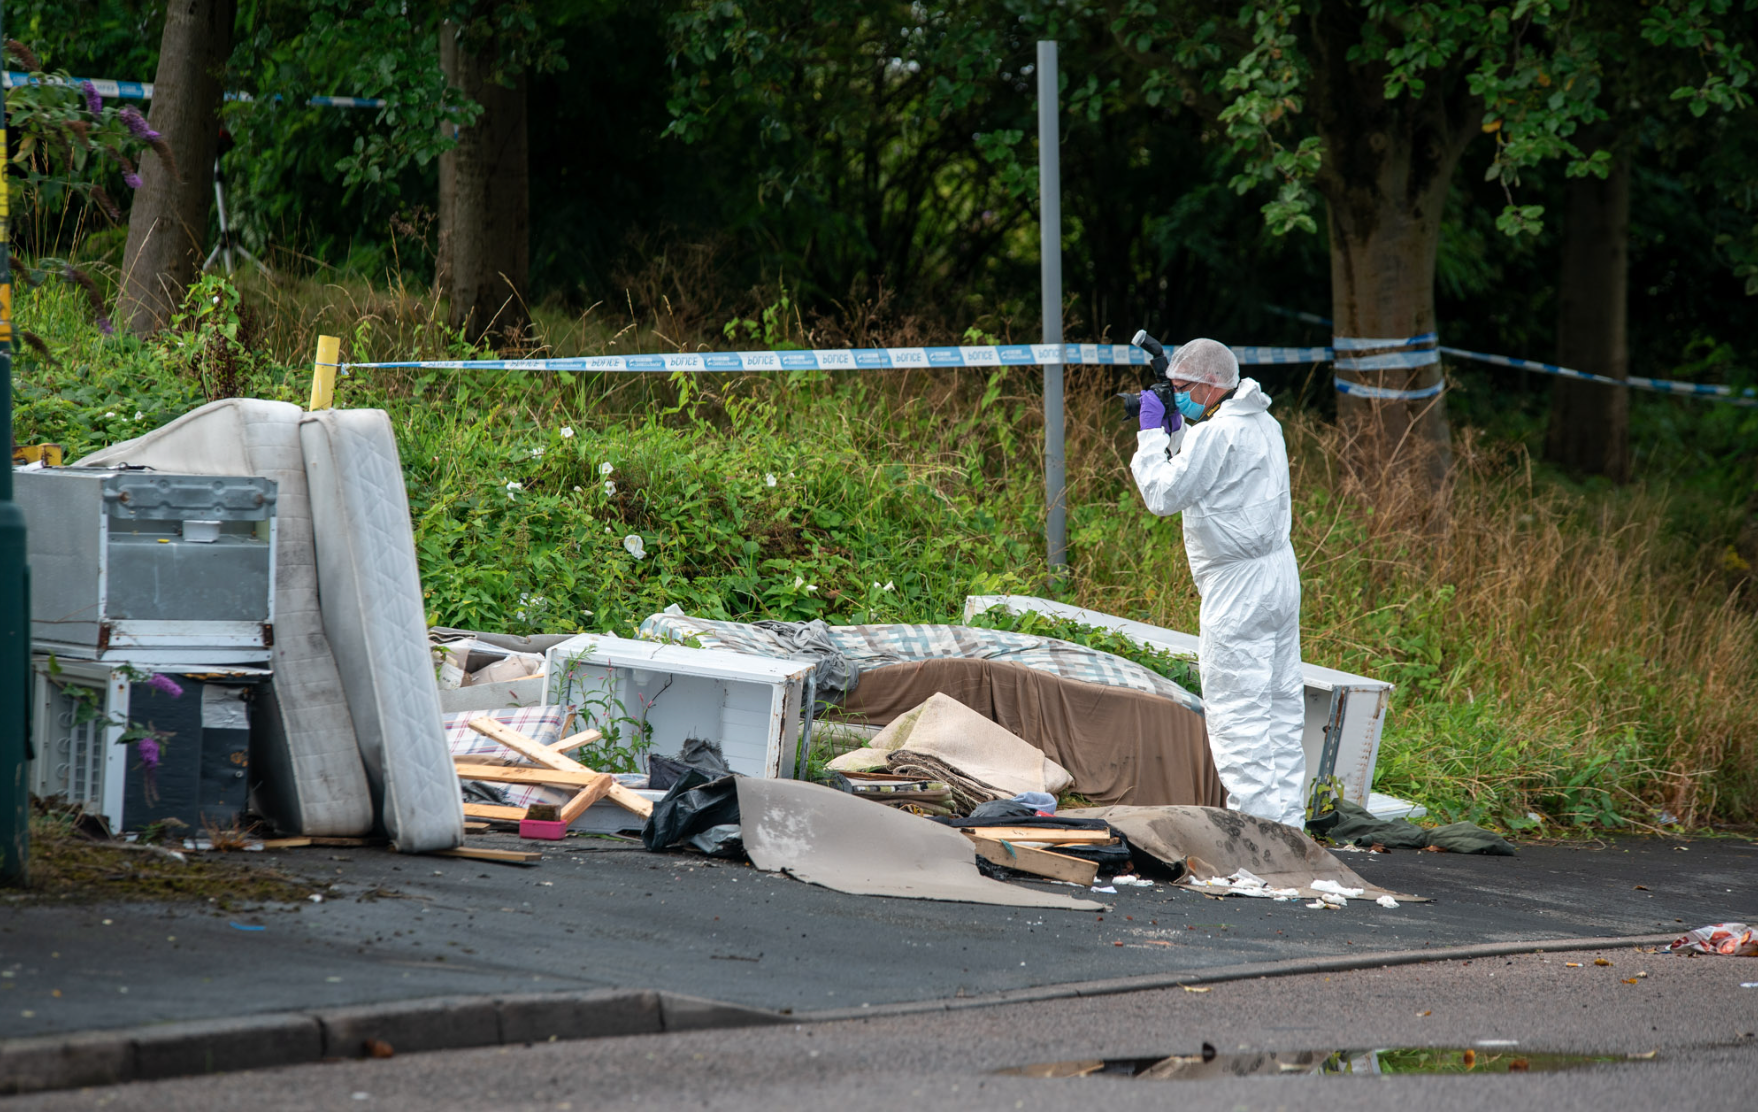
(1229, 476)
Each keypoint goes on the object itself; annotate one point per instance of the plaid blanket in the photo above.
(541, 724)
(876, 646)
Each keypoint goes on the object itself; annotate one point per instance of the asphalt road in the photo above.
(596, 914)
(1692, 1014)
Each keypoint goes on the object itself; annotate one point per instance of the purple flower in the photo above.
(137, 125)
(106, 327)
(93, 102)
(149, 752)
(160, 682)
(132, 181)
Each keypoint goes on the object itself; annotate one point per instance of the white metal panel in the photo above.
(1363, 716)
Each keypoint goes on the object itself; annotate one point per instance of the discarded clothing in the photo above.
(836, 674)
(1351, 822)
(1120, 746)
(1726, 939)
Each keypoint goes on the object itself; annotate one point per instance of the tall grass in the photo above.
(1563, 659)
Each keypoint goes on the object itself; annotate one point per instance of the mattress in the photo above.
(306, 772)
(370, 595)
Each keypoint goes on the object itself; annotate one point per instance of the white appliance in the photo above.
(659, 694)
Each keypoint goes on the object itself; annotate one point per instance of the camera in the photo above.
(1152, 379)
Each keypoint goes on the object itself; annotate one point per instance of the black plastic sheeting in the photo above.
(698, 810)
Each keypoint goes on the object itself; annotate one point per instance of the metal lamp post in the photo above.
(15, 658)
(1050, 250)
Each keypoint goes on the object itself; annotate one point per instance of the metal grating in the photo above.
(70, 756)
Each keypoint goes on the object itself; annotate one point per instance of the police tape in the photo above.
(1022, 355)
(843, 359)
(143, 90)
(830, 359)
(1745, 397)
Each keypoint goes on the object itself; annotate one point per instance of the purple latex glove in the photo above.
(1154, 414)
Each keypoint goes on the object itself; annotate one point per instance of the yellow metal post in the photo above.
(323, 374)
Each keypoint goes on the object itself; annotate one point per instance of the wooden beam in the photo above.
(1039, 862)
(285, 843)
(1046, 834)
(576, 777)
(574, 741)
(491, 811)
(585, 798)
(524, 746)
(476, 828)
(504, 856)
(549, 758)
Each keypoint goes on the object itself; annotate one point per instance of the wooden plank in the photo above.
(524, 746)
(476, 828)
(1039, 862)
(629, 801)
(285, 843)
(549, 758)
(491, 811)
(1047, 834)
(513, 774)
(585, 798)
(327, 841)
(503, 856)
(574, 741)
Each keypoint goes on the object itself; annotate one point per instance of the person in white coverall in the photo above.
(1219, 459)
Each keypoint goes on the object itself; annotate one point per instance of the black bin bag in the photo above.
(691, 812)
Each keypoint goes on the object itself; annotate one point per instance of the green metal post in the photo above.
(15, 623)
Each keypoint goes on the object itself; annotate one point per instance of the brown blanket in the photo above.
(1122, 746)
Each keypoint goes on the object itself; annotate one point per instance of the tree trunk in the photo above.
(1382, 288)
(168, 224)
(1589, 421)
(1387, 169)
(485, 200)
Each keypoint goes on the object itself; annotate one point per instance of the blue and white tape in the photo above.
(143, 90)
(1407, 353)
(847, 359)
(831, 359)
(1025, 355)
(1748, 396)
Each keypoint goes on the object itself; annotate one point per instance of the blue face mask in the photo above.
(1191, 410)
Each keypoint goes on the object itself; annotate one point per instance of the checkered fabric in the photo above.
(541, 724)
(876, 646)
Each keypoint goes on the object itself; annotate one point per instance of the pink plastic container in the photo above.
(549, 830)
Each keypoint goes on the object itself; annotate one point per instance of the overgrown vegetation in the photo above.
(66, 864)
(1584, 656)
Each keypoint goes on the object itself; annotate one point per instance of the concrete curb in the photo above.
(1291, 968)
(460, 1022)
(409, 1026)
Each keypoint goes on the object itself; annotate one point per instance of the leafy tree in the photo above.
(1681, 67)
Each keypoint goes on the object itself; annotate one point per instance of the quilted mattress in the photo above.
(372, 612)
